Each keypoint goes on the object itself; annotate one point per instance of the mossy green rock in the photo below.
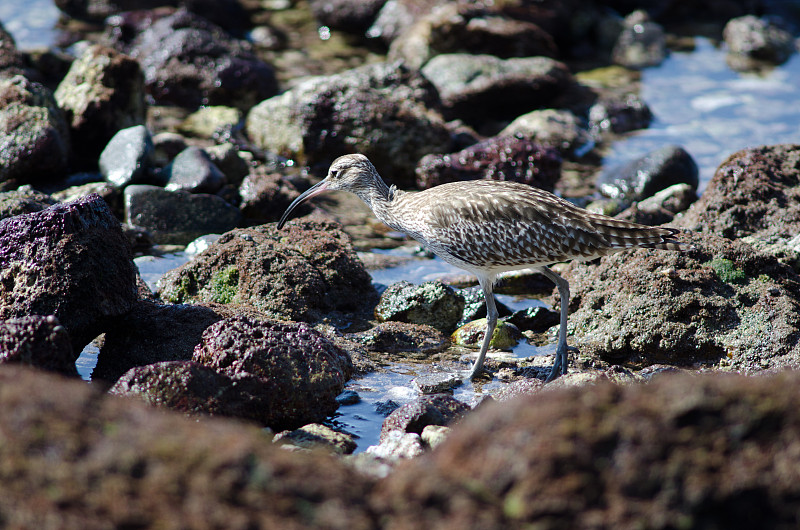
(505, 335)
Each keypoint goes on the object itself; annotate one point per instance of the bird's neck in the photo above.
(380, 199)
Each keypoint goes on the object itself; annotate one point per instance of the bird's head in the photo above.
(353, 173)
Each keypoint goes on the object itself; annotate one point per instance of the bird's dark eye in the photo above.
(333, 173)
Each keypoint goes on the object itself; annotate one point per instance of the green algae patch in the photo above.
(225, 285)
(727, 271)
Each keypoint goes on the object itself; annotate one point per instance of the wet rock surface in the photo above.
(128, 157)
(698, 446)
(649, 174)
(300, 273)
(38, 341)
(292, 371)
(412, 418)
(70, 260)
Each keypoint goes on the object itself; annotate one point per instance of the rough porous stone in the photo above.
(754, 194)
(80, 459)
(34, 138)
(384, 111)
(497, 158)
(102, 93)
(700, 451)
(431, 303)
(721, 303)
(293, 371)
(318, 436)
(72, 261)
(302, 272)
(38, 341)
(178, 217)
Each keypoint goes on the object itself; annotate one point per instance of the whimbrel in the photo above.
(488, 227)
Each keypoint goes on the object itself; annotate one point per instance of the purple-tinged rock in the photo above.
(72, 261)
(38, 341)
(497, 158)
(299, 371)
(193, 171)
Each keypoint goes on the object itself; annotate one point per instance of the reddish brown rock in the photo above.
(693, 451)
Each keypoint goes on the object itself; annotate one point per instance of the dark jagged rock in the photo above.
(302, 272)
(127, 157)
(38, 341)
(72, 261)
(178, 217)
(152, 333)
(102, 93)
(384, 111)
(34, 134)
(649, 174)
(700, 451)
(497, 158)
(193, 171)
(119, 463)
(189, 61)
(293, 371)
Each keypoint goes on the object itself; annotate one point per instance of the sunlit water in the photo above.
(30, 22)
(713, 111)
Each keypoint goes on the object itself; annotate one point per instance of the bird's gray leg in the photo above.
(562, 351)
(491, 323)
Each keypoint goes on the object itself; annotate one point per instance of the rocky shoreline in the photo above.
(211, 401)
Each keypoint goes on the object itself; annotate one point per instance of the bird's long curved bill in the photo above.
(316, 189)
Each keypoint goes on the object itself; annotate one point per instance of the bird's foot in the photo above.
(561, 363)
